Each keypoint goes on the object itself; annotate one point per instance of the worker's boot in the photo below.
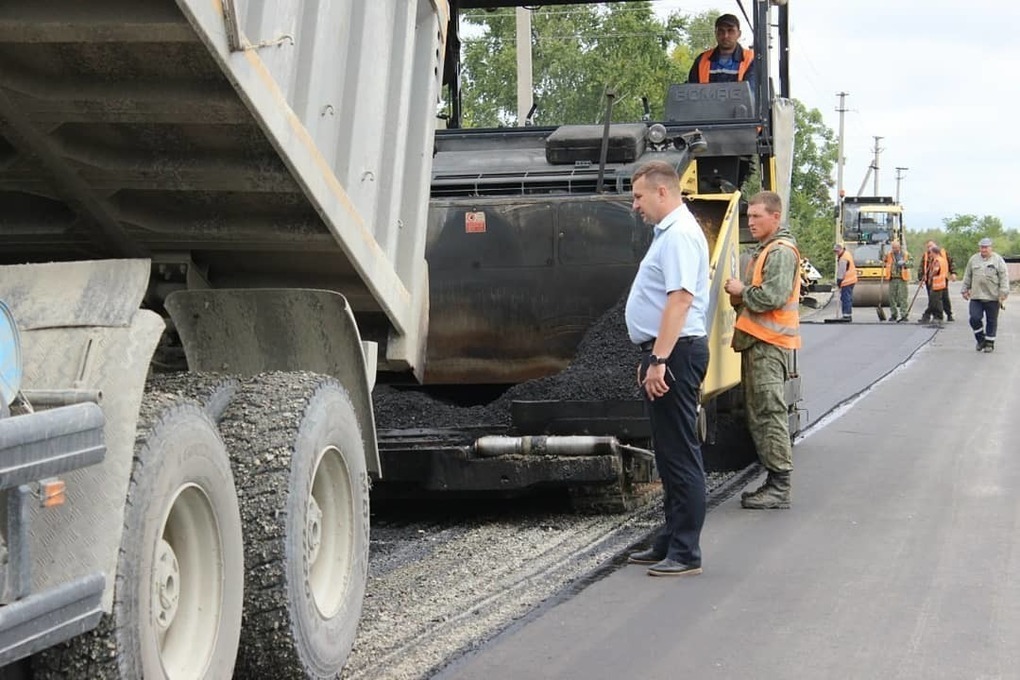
(989, 346)
(760, 490)
(775, 496)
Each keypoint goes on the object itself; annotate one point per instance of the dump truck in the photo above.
(241, 189)
(532, 239)
(867, 225)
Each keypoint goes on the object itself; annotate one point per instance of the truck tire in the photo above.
(179, 587)
(299, 458)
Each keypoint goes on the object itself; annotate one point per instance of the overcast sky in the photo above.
(938, 80)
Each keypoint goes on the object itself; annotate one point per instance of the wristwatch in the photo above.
(657, 361)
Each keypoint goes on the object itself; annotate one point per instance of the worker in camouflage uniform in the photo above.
(766, 334)
(897, 273)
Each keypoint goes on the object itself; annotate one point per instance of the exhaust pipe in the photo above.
(546, 445)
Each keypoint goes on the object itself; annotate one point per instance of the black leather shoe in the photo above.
(669, 567)
(649, 556)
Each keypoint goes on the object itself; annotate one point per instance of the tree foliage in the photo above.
(580, 50)
(960, 235)
(577, 52)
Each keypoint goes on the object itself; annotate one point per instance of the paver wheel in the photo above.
(299, 458)
(179, 586)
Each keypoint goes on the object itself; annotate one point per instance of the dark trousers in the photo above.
(674, 419)
(947, 305)
(984, 328)
(934, 310)
(846, 301)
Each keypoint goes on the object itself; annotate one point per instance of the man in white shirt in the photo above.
(666, 318)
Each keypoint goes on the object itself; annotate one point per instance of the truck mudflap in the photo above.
(36, 447)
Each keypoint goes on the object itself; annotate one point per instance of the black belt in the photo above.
(687, 339)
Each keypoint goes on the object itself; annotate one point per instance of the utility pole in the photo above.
(524, 86)
(839, 153)
(899, 176)
(875, 165)
(840, 161)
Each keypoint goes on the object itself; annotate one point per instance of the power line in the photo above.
(589, 37)
(548, 11)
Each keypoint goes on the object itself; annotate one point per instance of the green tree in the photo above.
(577, 52)
(812, 210)
(963, 233)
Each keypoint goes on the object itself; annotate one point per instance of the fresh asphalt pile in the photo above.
(446, 578)
(602, 369)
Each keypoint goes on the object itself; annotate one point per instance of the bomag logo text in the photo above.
(698, 94)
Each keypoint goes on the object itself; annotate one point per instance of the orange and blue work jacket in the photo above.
(704, 70)
(780, 327)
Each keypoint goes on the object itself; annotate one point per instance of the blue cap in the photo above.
(985, 242)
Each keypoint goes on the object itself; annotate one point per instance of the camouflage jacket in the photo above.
(781, 269)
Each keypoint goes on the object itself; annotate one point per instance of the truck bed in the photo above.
(294, 151)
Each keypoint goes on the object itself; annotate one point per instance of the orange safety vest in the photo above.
(705, 65)
(780, 327)
(887, 270)
(851, 269)
(925, 266)
(939, 279)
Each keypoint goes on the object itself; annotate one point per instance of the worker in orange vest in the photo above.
(937, 280)
(728, 61)
(767, 334)
(846, 278)
(896, 271)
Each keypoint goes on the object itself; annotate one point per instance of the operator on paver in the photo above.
(728, 61)
(766, 333)
(986, 286)
(896, 271)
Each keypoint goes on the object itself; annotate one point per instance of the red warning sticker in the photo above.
(474, 223)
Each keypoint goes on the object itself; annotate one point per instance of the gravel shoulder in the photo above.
(444, 584)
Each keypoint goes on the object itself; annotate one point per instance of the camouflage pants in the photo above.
(897, 299)
(764, 369)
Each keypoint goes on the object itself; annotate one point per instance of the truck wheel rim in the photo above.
(328, 538)
(187, 584)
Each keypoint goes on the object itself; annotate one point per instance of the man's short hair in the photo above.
(770, 199)
(727, 19)
(658, 173)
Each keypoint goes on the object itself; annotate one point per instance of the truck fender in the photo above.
(245, 332)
